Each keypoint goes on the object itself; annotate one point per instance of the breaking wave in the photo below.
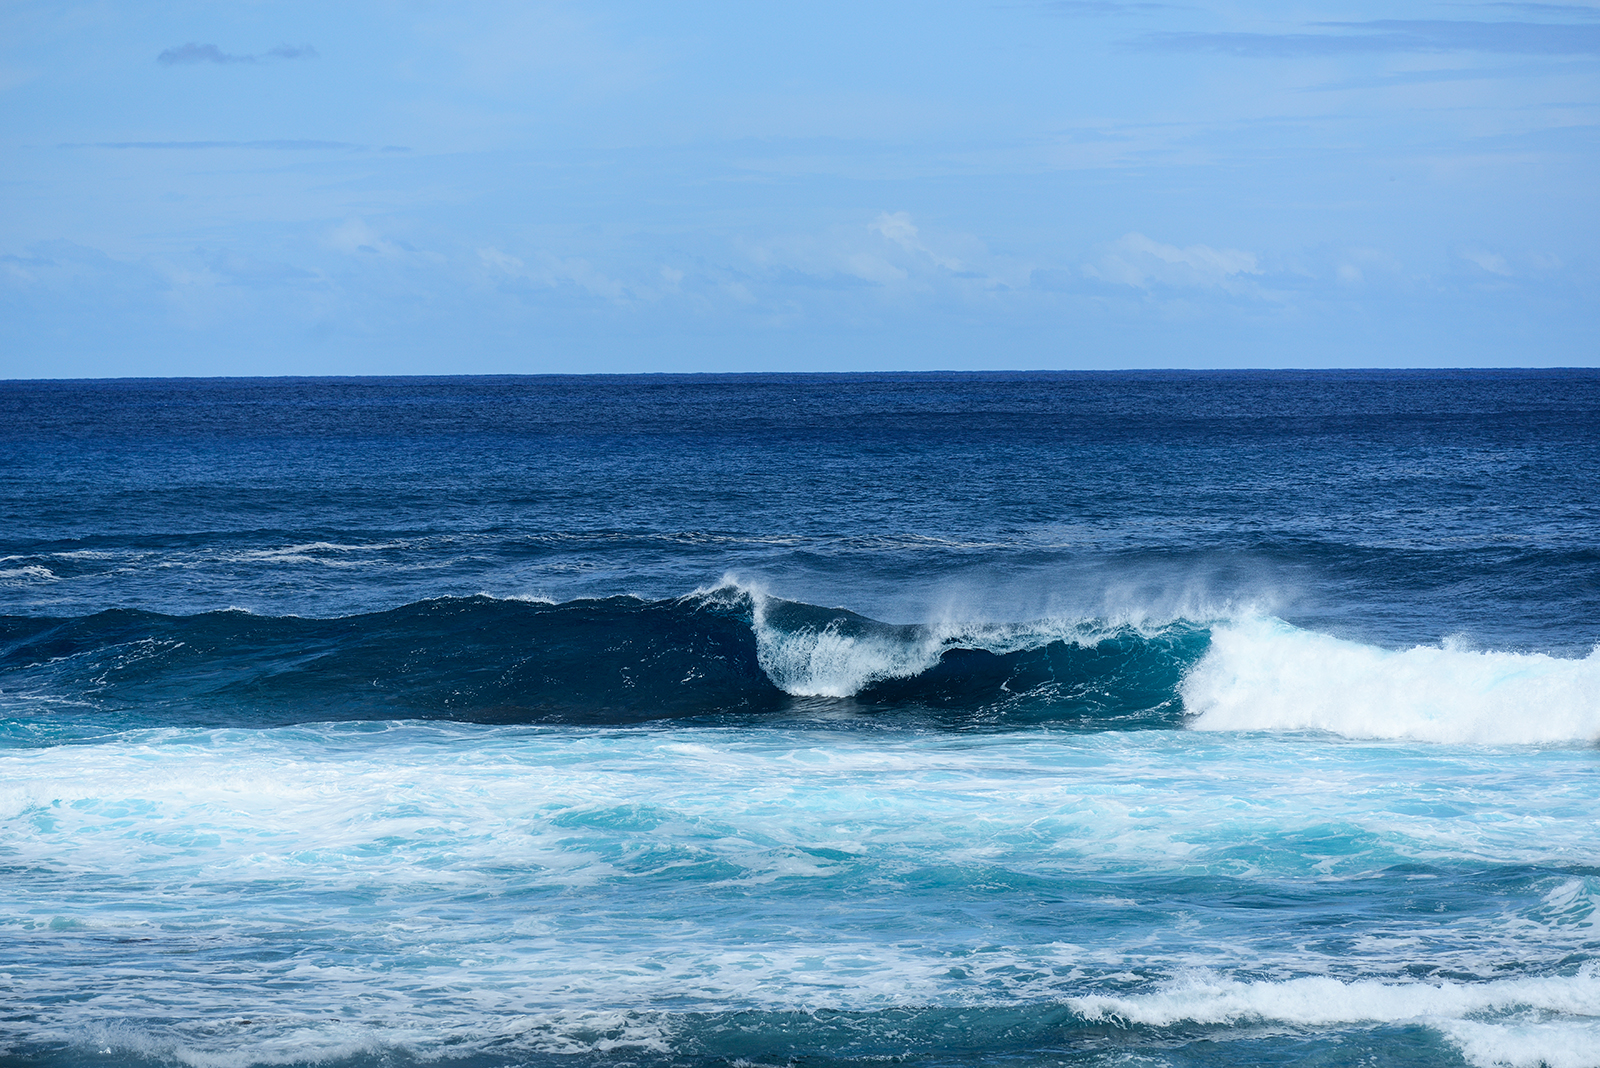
(735, 651)
(720, 652)
(1553, 1021)
(1263, 674)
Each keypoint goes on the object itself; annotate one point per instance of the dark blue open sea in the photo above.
(1192, 719)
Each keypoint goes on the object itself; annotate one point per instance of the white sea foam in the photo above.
(249, 1044)
(843, 656)
(1319, 1001)
(1525, 1034)
(1262, 674)
(326, 553)
(1525, 1044)
(249, 1038)
(446, 883)
(830, 661)
(29, 573)
(520, 598)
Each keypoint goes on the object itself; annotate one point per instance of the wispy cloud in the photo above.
(898, 227)
(209, 53)
(1391, 35)
(1136, 260)
(555, 273)
(1484, 260)
(890, 255)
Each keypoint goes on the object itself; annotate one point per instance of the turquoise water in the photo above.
(836, 893)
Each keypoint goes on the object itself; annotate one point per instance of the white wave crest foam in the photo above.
(831, 661)
(1553, 1021)
(1320, 1001)
(844, 655)
(1263, 674)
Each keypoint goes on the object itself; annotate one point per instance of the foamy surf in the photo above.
(1552, 1021)
(1319, 1001)
(1265, 675)
(695, 895)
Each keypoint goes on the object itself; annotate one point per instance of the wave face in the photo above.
(602, 661)
(615, 660)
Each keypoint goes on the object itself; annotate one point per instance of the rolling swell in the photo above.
(615, 660)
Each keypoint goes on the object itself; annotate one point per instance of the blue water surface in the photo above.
(1136, 718)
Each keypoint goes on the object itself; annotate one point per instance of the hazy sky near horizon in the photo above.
(386, 187)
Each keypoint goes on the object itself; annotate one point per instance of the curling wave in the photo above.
(735, 651)
(613, 660)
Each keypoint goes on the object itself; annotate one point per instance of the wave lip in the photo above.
(1264, 675)
(1071, 670)
(811, 652)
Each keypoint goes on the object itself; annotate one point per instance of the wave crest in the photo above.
(1263, 674)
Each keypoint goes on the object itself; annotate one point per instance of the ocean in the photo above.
(1155, 718)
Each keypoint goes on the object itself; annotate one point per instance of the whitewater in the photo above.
(1172, 719)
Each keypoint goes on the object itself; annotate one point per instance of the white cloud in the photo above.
(1136, 260)
(1488, 261)
(892, 252)
(554, 272)
(493, 257)
(355, 236)
(898, 227)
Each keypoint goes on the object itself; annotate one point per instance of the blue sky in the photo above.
(385, 187)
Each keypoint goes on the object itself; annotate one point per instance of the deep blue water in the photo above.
(1090, 719)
